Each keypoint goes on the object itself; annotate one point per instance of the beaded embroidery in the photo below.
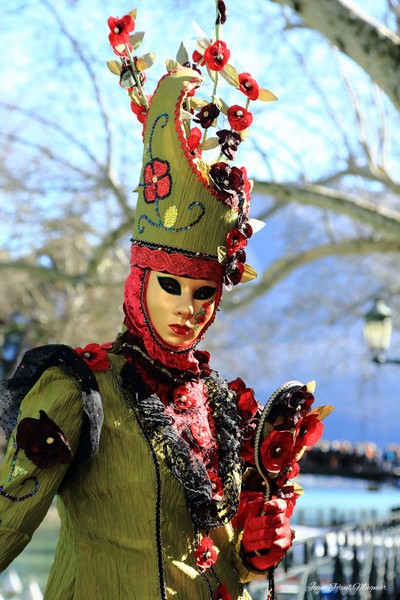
(157, 185)
(15, 471)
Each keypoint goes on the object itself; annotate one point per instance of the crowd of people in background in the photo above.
(362, 459)
(342, 457)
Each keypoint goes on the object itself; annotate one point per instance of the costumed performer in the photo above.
(149, 451)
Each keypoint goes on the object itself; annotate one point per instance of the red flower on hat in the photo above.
(216, 55)
(277, 450)
(228, 181)
(94, 356)
(194, 140)
(235, 240)
(139, 111)
(198, 58)
(233, 273)
(229, 142)
(246, 189)
(308, 431)
(157, 180)
(249, 86)
(239, 118)
(207, 115)
(206, 553)
(222, 13)
(120, 29)
(289, 472)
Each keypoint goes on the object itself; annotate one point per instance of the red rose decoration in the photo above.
(235, 240)
(139, 111)
(216, 485)
(43, 442)
(182, 399)
(194, 140)
(239, 118)
(229, 142)
(120, 29)
(94, 356)
(246, 451)
(157, 180)
(221, 592)
(308, 431)
(249, 86)
(237, 385)
(198, 58)
(216, 56)
(200, 434)
(206, 553)
(207, 115)
(247, 404)
(246, 189)
(277, 450)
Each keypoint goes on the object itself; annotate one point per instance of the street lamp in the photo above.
(378, 331)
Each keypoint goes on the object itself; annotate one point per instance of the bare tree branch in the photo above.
(281, 268)
(369, 43)
(379, 218)
(92, 77)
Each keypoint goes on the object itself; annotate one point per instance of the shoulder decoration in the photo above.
(32, 366)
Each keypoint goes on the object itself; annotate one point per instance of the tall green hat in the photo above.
(177, 209)
(188, 206)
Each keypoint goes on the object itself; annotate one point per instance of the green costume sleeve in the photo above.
(27, 490)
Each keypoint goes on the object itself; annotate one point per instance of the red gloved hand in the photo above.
(267, 538)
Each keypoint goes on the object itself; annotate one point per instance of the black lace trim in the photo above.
(189, 470)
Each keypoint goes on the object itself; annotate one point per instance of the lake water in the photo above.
(325, 499)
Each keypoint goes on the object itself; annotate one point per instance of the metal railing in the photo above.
(354, 561)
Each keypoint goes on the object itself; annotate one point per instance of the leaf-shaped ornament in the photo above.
(145, 61)
(266, 96)
(136, 39)
(182, 56)
(114, 66)
(210, 143)
(230, 74)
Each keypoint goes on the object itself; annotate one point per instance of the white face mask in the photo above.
(179, 308)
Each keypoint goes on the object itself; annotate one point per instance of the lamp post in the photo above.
(378, 331)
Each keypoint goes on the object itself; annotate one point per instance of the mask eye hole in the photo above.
(206, 292)
(169, 285)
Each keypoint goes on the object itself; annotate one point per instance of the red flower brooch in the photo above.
(206, 554)
(43, 441)
(94, 356)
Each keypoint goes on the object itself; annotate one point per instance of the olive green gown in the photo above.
(109, 537)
